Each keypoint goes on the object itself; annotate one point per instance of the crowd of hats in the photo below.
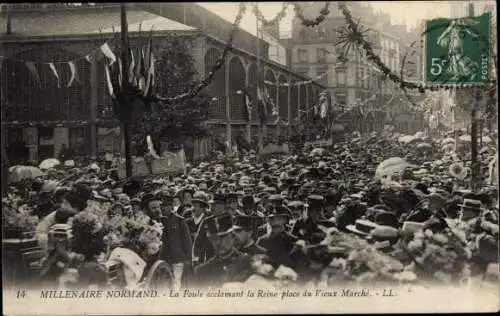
(421, 223)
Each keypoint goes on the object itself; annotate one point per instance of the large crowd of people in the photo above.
(379, 209)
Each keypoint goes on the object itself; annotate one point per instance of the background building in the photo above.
(41, 119)
(314, 54)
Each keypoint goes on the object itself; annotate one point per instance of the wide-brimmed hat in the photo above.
(277, 211)
(218, 225)
(243, 222)
(315, 202)
(362, 227)
(200, 197)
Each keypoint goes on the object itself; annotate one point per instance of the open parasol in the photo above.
(19, 173)
(49, 163)
(448, 140)
(391, 166)
(424, 146)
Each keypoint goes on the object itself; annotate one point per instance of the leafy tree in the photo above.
(175, 74)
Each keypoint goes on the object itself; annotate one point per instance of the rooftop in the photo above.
(91, 21)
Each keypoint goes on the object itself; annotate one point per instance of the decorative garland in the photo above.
(273, 21)
(356, 37)
(311, 22)
(218, 65)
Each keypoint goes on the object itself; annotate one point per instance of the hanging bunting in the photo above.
(53, 68)
(138, 54)
(72, 70)
(120, 70)
(150, 76)
(106, 50)
(131, 68)
(108, 80)
(31, 66)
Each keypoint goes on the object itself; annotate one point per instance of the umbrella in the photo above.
(19, 173)
(317, 152)
(419, 135)
(391, 166)
(424, 145)
(406, 139)
(448, 140)
(49, 163)
(465, 138)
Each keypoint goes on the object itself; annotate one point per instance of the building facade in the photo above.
(314, 54)
(42, 116)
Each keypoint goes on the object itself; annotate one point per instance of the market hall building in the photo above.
(41, 114)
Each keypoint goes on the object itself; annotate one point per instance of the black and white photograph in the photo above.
(249, 157)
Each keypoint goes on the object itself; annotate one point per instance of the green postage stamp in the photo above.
(458, 51)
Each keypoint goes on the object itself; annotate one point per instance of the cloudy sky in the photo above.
(407, 12)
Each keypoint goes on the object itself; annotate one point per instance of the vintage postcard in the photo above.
(249, 157)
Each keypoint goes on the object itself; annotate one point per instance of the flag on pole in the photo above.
(247, 100)
(131, 68)
(139, 63)
(108, 80)
(53, 68)
(72, 70)
(31, 66)
(106, 50)
(150, 76)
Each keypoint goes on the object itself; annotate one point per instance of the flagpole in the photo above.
(125, 91)
(261, 127)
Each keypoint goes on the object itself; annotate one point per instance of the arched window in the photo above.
(217, 88)
(237, 78)
(252, 89)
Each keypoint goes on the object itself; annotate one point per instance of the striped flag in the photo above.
(54, 70)
(106, 50)
(31, 66)
(72, 69)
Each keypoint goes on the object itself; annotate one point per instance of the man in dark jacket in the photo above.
(280, 244)
(243, 235)
(228, 264)
(307, 228)
(176, 243)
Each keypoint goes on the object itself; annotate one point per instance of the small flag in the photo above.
(108, 79)
(120, 70)
(53, 68)
(31, 66)
(106, 50)
(150, 76)
(131, 68)
(88, 58)
(72, 70)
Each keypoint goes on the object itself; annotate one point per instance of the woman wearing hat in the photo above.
(198, 213)
(228, 264)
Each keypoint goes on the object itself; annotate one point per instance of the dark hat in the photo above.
(275, 211)
(62, 215)
(219, 198)
(132, 187)
(243, 222)
(150, 196)
(248, 202)
(386, 219)
(275, 198)
(218, 225)
(315, 202)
